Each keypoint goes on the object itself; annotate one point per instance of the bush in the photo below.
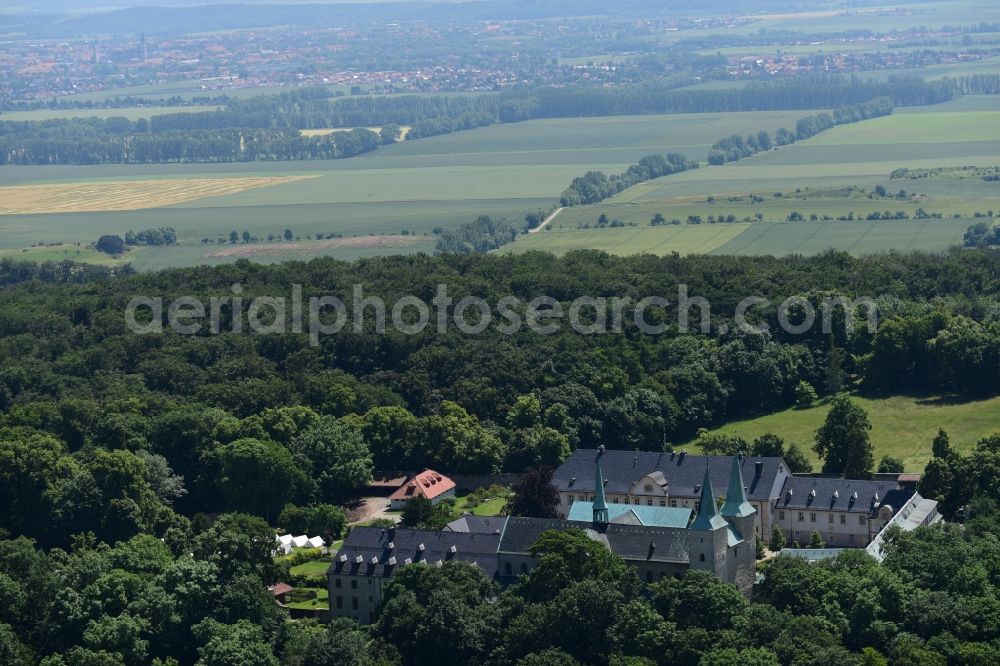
(110, 244)
(805, 394)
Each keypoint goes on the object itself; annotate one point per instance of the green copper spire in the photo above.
(736, 505)
(600, 506)
(708, 514)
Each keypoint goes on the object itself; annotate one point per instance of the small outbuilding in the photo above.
(430, 484)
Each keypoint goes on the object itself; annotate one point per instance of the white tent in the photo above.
(284, 539)
(300, 541)
(316, 542)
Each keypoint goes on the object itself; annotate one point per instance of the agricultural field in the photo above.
(683, 239)
(412, 186)
(777, 238)
(131, 112)
(832, 175)
(403, 131)
(902, 426)
(59, 252)
(123, 195)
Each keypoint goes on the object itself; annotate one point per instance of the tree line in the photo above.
(596, 186)
(736, 147)
(266, 127)
(92, 141)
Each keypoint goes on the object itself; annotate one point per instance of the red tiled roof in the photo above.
(428, 483)
(280, 588)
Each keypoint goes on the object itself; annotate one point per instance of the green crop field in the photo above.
(509, 170)
(502, 171)
(684, 239)
(58, 253)
(857, 237)
(902, 426)
(812, 177)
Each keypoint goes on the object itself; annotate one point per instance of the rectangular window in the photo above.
(861, 519)
(354, 603)
(336, 583)
(851, 538)
(802, 517)
(829, 518)
(843, 519)
(572, 498)
(340, 601)
(649, 501)
(673, 503)
(354, 583)
(663, 502)
(812, 517)
(635, 501)
(781, 515)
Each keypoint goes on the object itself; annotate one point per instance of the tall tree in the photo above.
(534, 495)
(336, 458)
(257, 476)
(843, 442)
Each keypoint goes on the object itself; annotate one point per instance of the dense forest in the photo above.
(114, 446)
(65, 343)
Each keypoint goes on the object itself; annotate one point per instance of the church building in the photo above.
(658, 541)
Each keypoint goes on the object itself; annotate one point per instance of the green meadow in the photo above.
(902, 426)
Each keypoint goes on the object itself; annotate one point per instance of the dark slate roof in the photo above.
(520, 533)
(373, 542)
(631, 542)
(477, 524)
(824, 499)
(653, 544)
(683, 473)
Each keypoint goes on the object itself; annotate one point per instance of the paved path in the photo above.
(546, 221)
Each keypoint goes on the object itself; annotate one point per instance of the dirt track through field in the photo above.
(124, 195)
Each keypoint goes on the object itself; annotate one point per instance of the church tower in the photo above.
(708, 535)
(600, 505)
(742, 516)
(737, 510)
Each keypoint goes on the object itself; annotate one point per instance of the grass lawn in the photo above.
(321, 602)
(490, 507)
(314, 569)
(902, 426)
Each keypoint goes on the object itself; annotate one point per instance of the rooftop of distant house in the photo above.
(428, 483)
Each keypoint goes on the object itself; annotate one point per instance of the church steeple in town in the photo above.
(600, 505)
